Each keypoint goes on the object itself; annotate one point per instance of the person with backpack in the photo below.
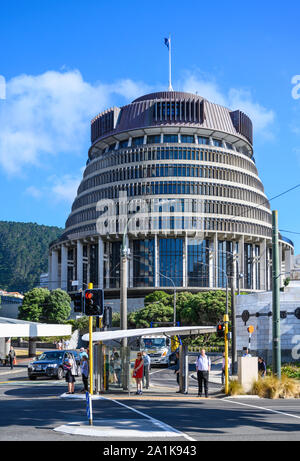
(203, 364)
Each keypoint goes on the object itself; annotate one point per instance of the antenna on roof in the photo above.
(168, 45)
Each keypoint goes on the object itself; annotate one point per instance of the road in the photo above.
(36, 411)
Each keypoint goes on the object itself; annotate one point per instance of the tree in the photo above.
(33, 304)
(155, 312)
(41, 305)
(32, 310)
(57, 308)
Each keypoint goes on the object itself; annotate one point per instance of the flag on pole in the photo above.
(167, 42)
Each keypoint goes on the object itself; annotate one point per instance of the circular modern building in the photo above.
(175, 175)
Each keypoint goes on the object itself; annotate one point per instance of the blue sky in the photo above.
(65, 61)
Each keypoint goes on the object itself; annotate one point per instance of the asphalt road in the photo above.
(31, 411)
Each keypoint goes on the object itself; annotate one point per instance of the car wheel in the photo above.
(60, 373)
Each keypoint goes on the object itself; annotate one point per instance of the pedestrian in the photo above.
(146, 374)
(246, 352)
(203, 365)
(82, 353)
(11, 357)
(70, 368)
(59, 345)
(223, 367)
(262, 368)
(138, 373)
(177, 371)
(84, 373)
(117, 367)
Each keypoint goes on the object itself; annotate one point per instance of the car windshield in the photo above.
(154, 342)
(51, 356)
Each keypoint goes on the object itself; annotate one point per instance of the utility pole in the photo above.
(233, 316)
(276, 351)
(226, 320)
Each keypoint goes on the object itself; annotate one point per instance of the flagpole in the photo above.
(170, 84)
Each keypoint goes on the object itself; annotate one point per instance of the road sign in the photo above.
(250, 329)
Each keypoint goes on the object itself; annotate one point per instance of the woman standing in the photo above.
(69, 367)
(138, 372)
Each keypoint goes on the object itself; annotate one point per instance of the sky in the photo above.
(64, 61)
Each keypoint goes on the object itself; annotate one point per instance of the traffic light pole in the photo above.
(276, 355)
(90, 287)
(226, 320)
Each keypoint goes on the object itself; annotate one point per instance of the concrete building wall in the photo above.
(259, 307)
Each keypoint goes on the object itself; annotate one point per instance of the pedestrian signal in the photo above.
(93, 302)
(220, 330)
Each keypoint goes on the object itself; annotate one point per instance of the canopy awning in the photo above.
(169, 331)
(23, 329)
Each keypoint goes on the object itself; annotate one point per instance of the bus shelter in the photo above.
(113, 363)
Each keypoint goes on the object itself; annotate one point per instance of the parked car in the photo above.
(50, 364)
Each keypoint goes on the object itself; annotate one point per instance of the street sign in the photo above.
(250, 329)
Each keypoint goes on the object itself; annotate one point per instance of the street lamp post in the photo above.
(174, 301)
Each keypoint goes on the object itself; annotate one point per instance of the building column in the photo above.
(281, 269)
(64, 268)
(211, 266)
(79, 263)
(288, 258)
(100, 263)
(215, 260)
(130, 263)
(185, 262)
(263, 266)
(54, 282)
(156, 260)
(241, 261)
(254, 262)
(107, 265)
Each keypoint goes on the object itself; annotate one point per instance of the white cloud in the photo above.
(233, 99)
(50, 113)
(64, 188)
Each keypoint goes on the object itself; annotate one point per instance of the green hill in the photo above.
(24, 253)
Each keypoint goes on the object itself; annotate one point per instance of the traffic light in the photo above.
(93, 302)
(220, 330)
(78, 301)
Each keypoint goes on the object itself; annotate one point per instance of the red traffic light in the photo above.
(88, 295)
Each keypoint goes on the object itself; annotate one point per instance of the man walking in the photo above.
(203, 364)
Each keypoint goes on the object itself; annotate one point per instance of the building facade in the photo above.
(175, 173)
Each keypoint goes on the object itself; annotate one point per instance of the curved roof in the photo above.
(171, 108)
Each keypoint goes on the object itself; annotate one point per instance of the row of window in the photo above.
(173, 138)
(165, 170)
(219, 208)
(171, 264)
(171, 187)
(160, 153)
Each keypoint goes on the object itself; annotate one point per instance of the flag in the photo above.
(167, 42)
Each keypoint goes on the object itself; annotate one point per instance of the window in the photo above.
(217, 142)
(203, 140)
(123, 144)
(187, 138)
(138, 141)
(170, 138)
(153, 139)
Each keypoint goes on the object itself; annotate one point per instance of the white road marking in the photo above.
(262, 408)
(162, 425)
